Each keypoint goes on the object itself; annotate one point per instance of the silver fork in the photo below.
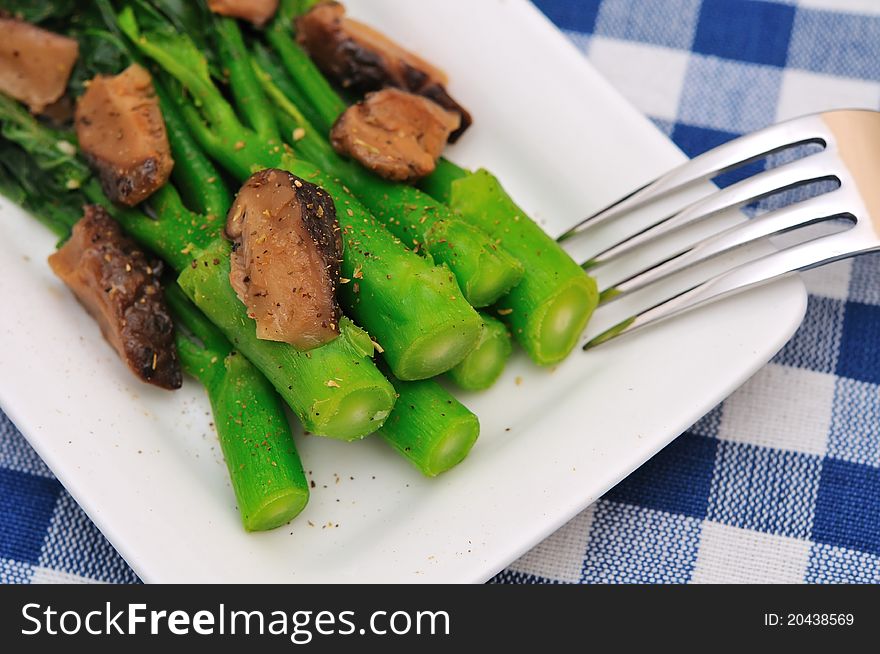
(848, 156)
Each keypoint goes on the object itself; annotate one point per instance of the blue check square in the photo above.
(764, 489)
(859, 356)
(27, 502)
(577, 16)
(838, 565)
(847, 508)
(844, 45)
(646, 21)
(676, 480)
(729, 96)
(630, 544)
(855, 422)
(745, 30)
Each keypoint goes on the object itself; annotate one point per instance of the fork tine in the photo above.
(819, 167)
(813, 210)
(803, 256)
(735, 153)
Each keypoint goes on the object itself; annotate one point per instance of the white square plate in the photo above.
(145, 465)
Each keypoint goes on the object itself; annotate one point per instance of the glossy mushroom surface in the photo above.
(286, 255)
(359, 57)
(397, 135)
(35, 64)
(119, 286)
(121, 133)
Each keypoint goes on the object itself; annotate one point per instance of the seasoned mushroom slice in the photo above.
(258, 12)
(35, 64)
(285, 258)
(121, 131)
(358, 57)
(120, 287)
(395, 134)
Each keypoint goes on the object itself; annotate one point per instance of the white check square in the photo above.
(781, 407)
(651, 77)
(730, 555)
(804, 92)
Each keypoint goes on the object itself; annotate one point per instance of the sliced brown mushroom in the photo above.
(120, 287)
(358, 57)
(395, 134)
(258, 12)
(121, 132)
(285, 260)
(35, 64)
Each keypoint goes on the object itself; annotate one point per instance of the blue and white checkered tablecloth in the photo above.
(781, 483)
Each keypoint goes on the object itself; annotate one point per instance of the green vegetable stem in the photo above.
(482, 367)
(413, 309)
(549, 309)
(266, 472)
(429, 427)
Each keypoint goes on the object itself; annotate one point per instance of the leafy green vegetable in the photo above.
(10, 184)
(23, 182)
(53, 151)
(99, 53)
(38, 11)
(187, 16)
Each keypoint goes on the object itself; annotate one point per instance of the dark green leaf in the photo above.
(25, 183)
(52, 151)
(100, 53)
(37, 11)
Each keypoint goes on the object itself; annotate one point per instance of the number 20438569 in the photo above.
(809, 619)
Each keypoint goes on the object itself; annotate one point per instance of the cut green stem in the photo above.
(266, 472)
(482, 367)
(429, 427)
(549, 309)
(335, 390)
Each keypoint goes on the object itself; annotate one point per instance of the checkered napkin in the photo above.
(781, 483)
